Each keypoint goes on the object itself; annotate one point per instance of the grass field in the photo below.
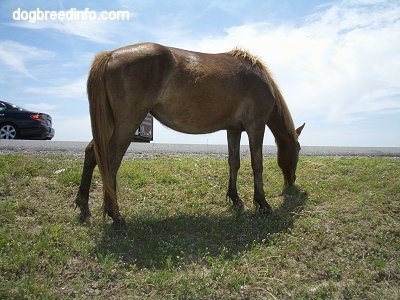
(335, 236)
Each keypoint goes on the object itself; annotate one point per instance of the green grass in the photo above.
(334, 236)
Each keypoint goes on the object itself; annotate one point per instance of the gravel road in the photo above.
(77, 148)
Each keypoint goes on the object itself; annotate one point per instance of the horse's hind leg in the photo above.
(256, 136)
(110, 206)
(234, 165)
(121, 139)
(82, 198)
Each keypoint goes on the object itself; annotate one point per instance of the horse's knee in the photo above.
(234, 164)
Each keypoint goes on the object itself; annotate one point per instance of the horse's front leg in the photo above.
(82, 198)
(256, 136)
(234, 165)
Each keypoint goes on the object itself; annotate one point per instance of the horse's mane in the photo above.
(279, 100)
(254, 60)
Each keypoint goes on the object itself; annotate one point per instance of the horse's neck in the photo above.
(284, 134)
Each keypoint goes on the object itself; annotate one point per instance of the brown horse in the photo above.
(189, 92)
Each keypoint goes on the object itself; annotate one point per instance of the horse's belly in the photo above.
(188, 119)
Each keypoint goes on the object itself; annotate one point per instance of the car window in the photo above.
(14, 107)
(2, 106)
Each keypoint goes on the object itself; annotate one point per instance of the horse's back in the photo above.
(146, 59)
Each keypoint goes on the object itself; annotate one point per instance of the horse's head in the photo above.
(288, 156)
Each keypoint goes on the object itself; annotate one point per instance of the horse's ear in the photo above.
(298, 130)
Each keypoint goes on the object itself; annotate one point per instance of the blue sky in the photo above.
(336, 62)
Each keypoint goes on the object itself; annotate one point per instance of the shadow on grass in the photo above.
(149, 242)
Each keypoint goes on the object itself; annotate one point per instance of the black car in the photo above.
(18, 123)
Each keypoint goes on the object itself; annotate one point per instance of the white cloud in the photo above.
(73, 89)
(17, 56)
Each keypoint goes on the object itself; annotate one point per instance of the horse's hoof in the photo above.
(238, 208)
(85, 219)
(119, 223)
(266, 210)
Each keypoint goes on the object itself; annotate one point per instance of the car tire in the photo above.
(8, 131)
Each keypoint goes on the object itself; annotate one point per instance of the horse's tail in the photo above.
(102, 120)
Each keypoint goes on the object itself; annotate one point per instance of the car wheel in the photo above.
(8, 132)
